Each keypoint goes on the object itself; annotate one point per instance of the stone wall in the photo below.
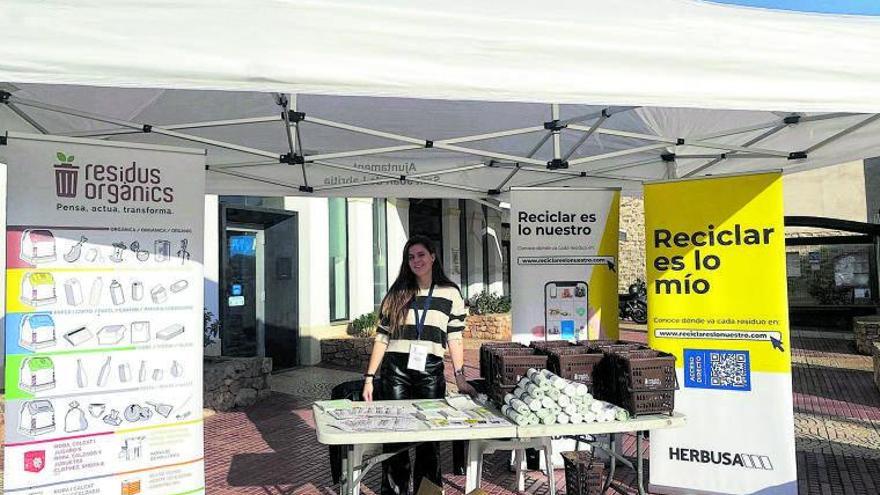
(232, 382)
(352, 353)
(632, 250)
(489, 327)
(867, 332)
(877, 364)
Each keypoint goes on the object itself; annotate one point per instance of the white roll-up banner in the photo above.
(718, 302)
(564, 244)
(103, 317)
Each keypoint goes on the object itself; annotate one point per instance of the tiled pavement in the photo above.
(271, 448)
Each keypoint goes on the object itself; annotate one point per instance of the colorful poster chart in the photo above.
(717, 300)
(564, 263)
(103, 318)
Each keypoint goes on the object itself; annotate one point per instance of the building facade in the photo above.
(281, 274)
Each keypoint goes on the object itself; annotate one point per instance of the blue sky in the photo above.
(850, 7)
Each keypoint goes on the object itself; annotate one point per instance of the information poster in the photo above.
(717, 300)
(103, 318)
(564, 244)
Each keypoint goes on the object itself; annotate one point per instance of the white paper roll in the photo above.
(534, 390)
(533, 403)
(563, 401)
(562, 418)
(519, 406)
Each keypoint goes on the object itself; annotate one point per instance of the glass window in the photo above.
(338, 213)
(380, 251)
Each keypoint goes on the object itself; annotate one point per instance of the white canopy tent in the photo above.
(401, 99)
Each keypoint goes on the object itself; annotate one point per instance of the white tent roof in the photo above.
(717, 88)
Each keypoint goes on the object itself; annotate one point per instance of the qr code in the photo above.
(728, 369)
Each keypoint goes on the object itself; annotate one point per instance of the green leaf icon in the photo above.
(69, 158)
(61, 157)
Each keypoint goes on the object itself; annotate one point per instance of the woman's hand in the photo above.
(368, 391)
(464, 387)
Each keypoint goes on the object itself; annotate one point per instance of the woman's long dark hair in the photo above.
(406, 286)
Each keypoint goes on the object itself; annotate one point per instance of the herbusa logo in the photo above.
(111, 183)
(734, 459)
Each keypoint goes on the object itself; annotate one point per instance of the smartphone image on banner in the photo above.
(565, 310)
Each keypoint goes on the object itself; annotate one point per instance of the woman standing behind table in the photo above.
(422, 314)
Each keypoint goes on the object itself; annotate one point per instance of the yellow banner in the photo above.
(716, 269)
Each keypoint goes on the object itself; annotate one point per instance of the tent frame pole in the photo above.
(844, 132)
(530, 154)
(176, 127)
(557, 139)
(27, 118)
(143, 127)
(583, 139)
(750, 142)
(614, 154)
(292, 144)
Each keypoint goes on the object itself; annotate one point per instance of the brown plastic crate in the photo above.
(485, 359)
(499, 351)
(649, 402)
(509, 368)
(574, 363)
(584, 475)
(544, 345)
(497, 393)
(642, 382)
(612, 346)
(650, 370)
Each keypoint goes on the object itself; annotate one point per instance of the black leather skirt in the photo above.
(398, 382)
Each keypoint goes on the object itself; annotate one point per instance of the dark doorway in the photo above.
(259, 284)
(426, 218)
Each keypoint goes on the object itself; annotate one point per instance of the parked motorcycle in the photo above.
(634, 304)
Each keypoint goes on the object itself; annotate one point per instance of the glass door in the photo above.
(244, 292)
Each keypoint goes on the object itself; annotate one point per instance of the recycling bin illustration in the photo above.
(66, 176)
(36, 374)
(38, 288)
(37, 246)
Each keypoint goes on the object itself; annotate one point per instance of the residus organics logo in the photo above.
(111, 183)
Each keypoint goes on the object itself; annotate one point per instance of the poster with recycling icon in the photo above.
(103, 327)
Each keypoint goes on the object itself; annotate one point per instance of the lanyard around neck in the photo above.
(420, 322)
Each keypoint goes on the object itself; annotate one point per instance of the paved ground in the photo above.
(271, 448)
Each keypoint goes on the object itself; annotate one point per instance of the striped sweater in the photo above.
(444, 322)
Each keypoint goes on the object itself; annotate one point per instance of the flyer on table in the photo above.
(564, 245)
(718, 301)
(103, 317)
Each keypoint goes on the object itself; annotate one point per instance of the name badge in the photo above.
(418, 357)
